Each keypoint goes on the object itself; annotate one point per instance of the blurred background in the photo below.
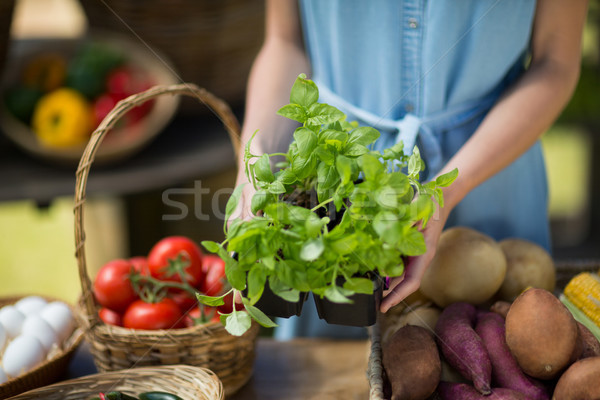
(178, 183)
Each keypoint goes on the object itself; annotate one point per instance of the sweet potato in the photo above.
(591, 345)
(462, 347)
(464, 391)
(541, 334)
(580, 381)
(412, 363)
(506, 373)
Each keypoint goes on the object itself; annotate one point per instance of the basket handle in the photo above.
(218, 106)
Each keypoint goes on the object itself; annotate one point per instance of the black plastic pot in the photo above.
(361, 312)
(275, 306)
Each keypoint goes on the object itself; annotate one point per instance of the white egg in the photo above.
(3, 377)
(2, 337)
(59, 316)
(12, 320)
(31, 304)
(35, 325)
(22, 354)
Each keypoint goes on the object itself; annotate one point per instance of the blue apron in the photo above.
(426, 73)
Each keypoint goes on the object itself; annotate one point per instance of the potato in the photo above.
(527, 265)
(468, 267)
(412, 363)
(425, 317)
(541, 334)
(579, 381)
(590, 345)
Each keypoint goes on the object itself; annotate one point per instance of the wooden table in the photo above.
(308, 369)
(300, 369)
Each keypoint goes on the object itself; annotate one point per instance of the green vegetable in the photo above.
(334, 208)
(21, 100)
(88, 69)
(158, 396)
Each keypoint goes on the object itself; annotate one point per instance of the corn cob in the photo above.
(583, 291)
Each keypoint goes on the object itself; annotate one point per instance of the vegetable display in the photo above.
(64, 99)
(537, 347)
(332, 209)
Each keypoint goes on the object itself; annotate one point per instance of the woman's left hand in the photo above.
(414, 268)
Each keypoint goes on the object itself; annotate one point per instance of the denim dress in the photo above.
(426, 72)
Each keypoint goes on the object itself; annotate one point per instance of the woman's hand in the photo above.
(414, 269)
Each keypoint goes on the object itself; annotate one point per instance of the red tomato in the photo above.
(214, 275)
(227, 308)
(112, 287)
(164, 314)
(170, 248)
(194, 317)
(110, 317)
(184, 300)
(140, 264)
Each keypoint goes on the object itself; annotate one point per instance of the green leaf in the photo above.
(333, 134)
(304, 167)
(313, 225)
(304, 92)
(210, 300)
(260, 199)
(210, 246)
(327, 176)
(370, 166)
(306, 141)
(233, 201)
(321, 114)
(276, 187)
(344, 168)
(294, 112)
(386, 197)
(355, 150)
(387, 226)
(286, 176)
(412, 243)
(345, 245)
(312, 249)
(257, 277)
(235, 274)
(262, 169)
(334, 293)
(422, 208)
(364, 135)
(415, 164)
(325, 155)
(359, 285)
(258, 315)
(282, 290)
(447, 178)
(237, 323)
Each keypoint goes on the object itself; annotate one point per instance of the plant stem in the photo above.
(329, 200)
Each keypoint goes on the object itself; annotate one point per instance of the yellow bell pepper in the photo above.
(62, 118)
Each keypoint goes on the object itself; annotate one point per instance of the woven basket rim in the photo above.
(196, 380)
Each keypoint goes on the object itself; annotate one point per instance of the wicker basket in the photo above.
(211, 43)
(47, 372)
(189, 383)
(565, 270)
(114, 348)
